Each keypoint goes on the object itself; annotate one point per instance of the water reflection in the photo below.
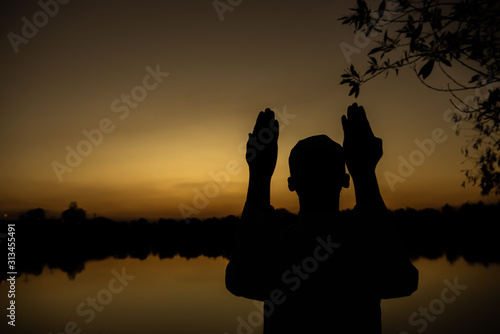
(177, 295)
(452, 298)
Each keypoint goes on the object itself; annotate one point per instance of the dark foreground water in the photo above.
(176, 295)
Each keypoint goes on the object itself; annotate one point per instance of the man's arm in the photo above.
(396, 276)
(250, 271)
(362, 152)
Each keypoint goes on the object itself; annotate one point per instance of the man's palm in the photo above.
(361, 148)
(262, 145)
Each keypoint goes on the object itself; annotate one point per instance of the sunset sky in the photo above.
(174, 91)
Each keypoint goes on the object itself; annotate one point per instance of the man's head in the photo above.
(317, 167)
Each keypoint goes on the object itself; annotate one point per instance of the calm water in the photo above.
(188, 296)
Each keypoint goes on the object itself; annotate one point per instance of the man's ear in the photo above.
(345, 181)
(291, 184)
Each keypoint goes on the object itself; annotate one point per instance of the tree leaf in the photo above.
(354, 90)
(446, 62)
(381, 8)
(426, 70)
(475, 78)
(353, 71)
(362, 4)
(375, 50)
(417, 32)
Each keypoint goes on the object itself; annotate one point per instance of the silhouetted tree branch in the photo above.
(452, 38)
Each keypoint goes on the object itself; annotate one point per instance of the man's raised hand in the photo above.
(262, 146)
(362, 149)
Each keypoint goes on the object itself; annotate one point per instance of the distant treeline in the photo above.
(470, 231)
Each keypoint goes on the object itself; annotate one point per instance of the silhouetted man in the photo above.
(327, 271)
